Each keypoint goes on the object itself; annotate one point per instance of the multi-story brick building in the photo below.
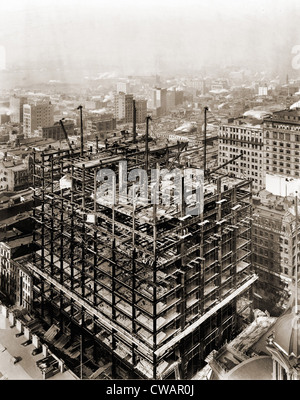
(56, 132)
(15, 175)
(141, 111)
(238, 136)
(274, 250)
(36, 116)
(282, 143)
(123, 106)
(16, 107)
(9, 271)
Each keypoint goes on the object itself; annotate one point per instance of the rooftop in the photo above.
(257, 368)
(26, 368)
(19, 242)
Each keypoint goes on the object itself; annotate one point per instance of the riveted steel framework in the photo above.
(155, 289)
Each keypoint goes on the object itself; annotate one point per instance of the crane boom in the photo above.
(66, 135)
(227, 162)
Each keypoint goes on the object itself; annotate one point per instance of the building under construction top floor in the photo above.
(146, 287)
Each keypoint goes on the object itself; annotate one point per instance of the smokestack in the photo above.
(97, 144)
(134, 122)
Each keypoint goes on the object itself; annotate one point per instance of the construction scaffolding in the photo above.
(153, 288)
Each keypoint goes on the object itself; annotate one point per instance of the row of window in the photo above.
(281, 170)
(235, 150)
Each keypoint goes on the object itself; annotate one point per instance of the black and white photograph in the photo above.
(149, 193)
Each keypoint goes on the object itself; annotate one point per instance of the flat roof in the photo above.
(26, 368)
(18, 242)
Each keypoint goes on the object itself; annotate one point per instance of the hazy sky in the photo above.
(147, 35)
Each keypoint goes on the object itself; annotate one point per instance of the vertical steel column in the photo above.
(134, 122)
(43, 211)
(52, 217)
(113, 292)
(83, 234)
(43, 234)
(133, 287)
(81, 131)
(147, 144)
(72, 246)
(182, 250)
(154, 290)
(95, 241)
(34, 203)
(61, 229)
(204, 144)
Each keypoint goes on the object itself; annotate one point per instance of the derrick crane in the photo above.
(66, 135)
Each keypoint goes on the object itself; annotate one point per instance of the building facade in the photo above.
(56, 132)
(16, 107)
(10, 277)
(141, 111)
(274, 251)
(123, 107)
(36, 116)
(282, 143)
(158, 101)
(240, 136)
(15, 176)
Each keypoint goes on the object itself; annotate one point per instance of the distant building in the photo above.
(124, 87)
(16, 107)
(158, 101)
(56, 132)
(171, 99)
(161, 100)
(263, 91)
(104, 123)
(141, 111)
(94, 104)
(36, 116)
(4, 118)
(123, 106)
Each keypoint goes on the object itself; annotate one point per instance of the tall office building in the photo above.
(123, 87)
(171, 99)
(141, 111)
(241, 136)
(158, 101)
(128, 108)
(123, 106)
(16, 106)
(38, 115)
(274, 250)
(282, 143)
